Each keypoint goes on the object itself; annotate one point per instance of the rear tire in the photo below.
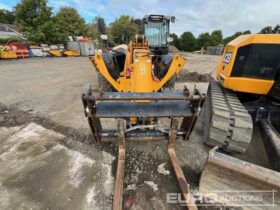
(104, 85)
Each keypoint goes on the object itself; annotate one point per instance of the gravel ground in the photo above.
(44, 93)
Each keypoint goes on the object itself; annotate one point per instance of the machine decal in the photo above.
(227, 58)
(142, 69)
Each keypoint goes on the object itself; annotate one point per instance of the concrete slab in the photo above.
(38, 172)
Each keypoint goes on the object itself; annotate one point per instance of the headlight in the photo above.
(104, 36)
(169, 39)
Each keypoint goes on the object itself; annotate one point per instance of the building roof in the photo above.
(8, 27)
(7, 30)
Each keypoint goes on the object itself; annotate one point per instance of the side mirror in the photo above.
(104, 36)
(169, 39)
(172, 19)
(101, 25)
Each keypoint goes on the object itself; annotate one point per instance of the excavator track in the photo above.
(228, 124)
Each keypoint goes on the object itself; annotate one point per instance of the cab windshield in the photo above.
(260, 61)
(156, 32)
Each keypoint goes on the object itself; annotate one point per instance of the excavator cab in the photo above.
(250, 64)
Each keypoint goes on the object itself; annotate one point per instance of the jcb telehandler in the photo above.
(138, 77)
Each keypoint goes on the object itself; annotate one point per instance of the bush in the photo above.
(11, 39)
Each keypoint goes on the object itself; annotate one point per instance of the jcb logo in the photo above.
(142, 69)
(227, 58)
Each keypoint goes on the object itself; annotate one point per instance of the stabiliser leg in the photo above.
(118, 193)
(183, 184)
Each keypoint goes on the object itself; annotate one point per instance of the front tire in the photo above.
(104, 85)
(170, 83)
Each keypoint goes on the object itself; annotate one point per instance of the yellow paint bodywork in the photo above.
(138, 65)
(8, 55)
(247, 85)
(5, 53)
(71, 53)
(55, 53)
(244, 84)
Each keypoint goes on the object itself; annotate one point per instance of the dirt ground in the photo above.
(47, 159)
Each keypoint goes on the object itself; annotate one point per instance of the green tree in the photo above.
(247, 32)
(216, 38)
(276, 29)
(230, 38)
(92, 30)
(33, 18)
(187, 42)
(7, 16)
(267, 30)
(96, 28)
(237, 34)
(68, 22)
(203, 40)
(123, 29)
(270, 30)
(176, 41)
(139, 24)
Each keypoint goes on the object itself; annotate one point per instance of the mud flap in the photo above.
(234, 182)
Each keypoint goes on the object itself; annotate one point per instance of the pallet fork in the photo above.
(124, 105)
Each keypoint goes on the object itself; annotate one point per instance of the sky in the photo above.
(197, 16)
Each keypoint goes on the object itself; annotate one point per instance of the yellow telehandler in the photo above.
(136, 89)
